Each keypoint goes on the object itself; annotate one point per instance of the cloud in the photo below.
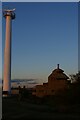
(29, 83)
(24, 81)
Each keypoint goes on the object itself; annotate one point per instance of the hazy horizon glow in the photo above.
(43, 35)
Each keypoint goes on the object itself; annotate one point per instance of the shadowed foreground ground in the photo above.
(14, 109)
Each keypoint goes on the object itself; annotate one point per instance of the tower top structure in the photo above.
(9, 12)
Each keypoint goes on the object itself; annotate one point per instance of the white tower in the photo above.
(9, 15)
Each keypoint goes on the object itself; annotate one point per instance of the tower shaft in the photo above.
(9, 15)
(7, 56)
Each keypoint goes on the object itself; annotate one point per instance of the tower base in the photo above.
(5, 93)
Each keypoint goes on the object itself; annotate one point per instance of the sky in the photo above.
(0, 40)
(43, 35)
(79, 36)
(40, 0)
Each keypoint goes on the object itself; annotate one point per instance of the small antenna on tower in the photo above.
(57, 66)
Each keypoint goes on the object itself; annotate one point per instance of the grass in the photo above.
(15, 109)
